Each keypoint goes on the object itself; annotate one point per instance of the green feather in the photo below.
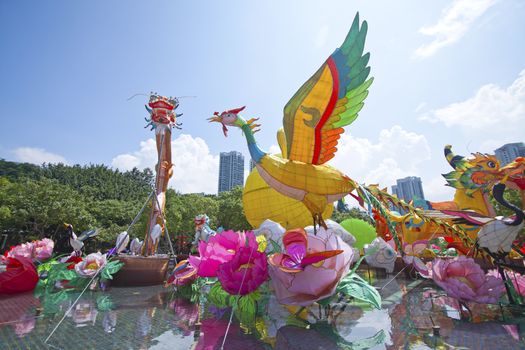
(355, 109)
(352, 34)
(353, 93)
(359, 66)
(356, 51)
(355, 103)
(357, 99)
(348, 119)
(359, 79)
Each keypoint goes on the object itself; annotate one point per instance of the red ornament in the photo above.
(235, 110)
(381, 226)
(73, 260)
(20, 276)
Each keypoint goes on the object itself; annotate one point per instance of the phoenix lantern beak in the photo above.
(218, 119)
(215, 119)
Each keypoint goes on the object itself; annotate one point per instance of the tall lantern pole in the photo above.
(162, 119)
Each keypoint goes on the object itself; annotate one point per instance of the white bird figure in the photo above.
(122, 242)
(497, 235)
(77, 243)
(384, 255)
(136, 246)
(155, 233)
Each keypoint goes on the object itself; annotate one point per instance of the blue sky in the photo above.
(445, 72)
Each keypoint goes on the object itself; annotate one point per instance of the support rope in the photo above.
(73, 305)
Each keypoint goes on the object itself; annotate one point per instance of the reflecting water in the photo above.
(414, 316)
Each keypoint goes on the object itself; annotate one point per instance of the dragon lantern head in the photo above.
(232, 118)
(486, 162)
(472, 174)
(157, 101)
(162, 111)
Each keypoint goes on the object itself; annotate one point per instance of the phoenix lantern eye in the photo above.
(228, 118)
(491, 164)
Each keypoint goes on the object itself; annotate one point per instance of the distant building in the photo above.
(508, 152)
(394, 190)
(408, 188)
(252, 165)
(231, 170)
(203, 194)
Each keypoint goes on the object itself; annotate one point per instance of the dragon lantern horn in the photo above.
(452, 159)
(236, 110)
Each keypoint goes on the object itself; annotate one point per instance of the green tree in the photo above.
(38, 208)
(35, 201)
(14, 171)
(512, 196)
(356, 213)
(231, 212)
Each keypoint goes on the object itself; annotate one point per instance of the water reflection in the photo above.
(414, 315)
(25, 326)
(84, 313)
(109, 321)
(19, 312)
(187, 314)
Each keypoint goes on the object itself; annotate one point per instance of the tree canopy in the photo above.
(35, 202)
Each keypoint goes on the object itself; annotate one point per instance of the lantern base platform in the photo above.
(141, 270)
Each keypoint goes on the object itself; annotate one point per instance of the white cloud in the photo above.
(493, 110)
(37, 156)
(420, 107)
(455, 21)
(321, 37)
(146, 157)
(436, 190)
(396, 154)
(195, 169)
(126, 161)
(489, 145)
(274, 149)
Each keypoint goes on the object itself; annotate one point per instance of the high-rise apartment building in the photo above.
(508, 152)
(408, 188)
(231, 170)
